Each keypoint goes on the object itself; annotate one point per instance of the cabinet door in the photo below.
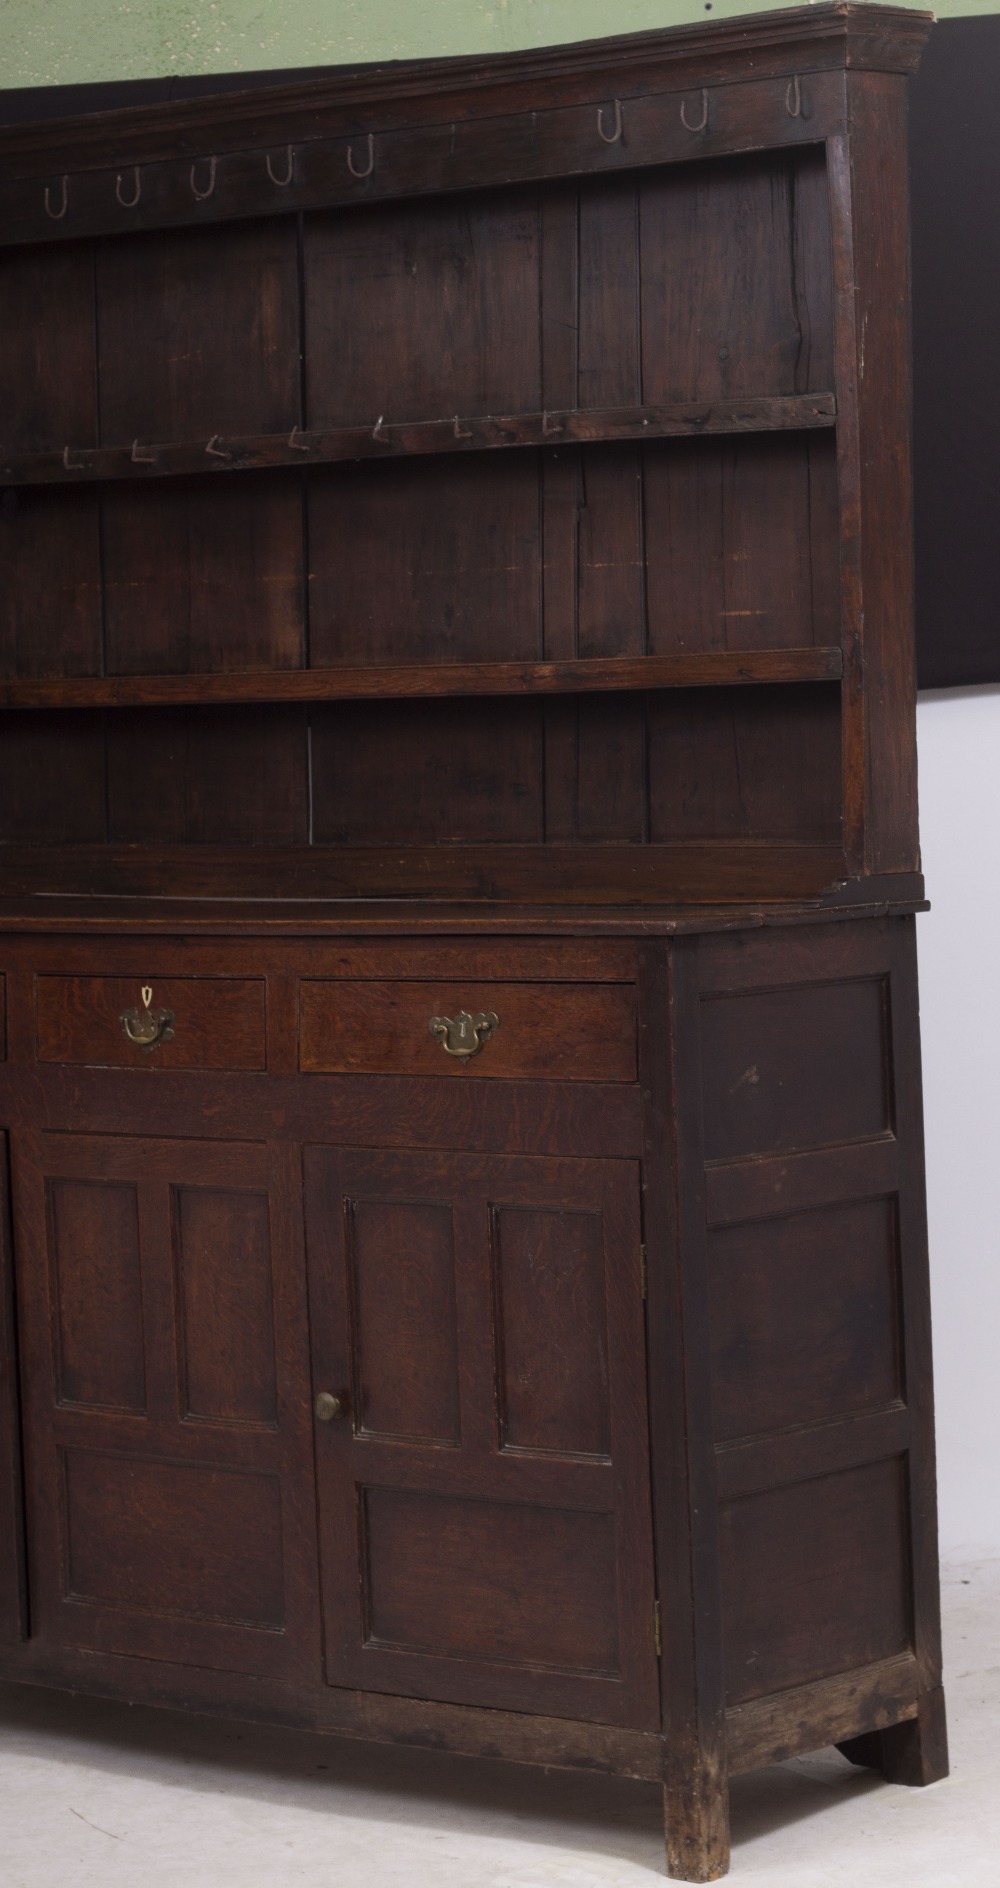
(167, 1428)
(484, 1507)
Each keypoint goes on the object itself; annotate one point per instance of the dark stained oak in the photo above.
(469, 873)
(914, 1752)
(504, 1548)
(553, 1031)
(168, 1497)
(346, 683)
(455, 520)
(218, 1022)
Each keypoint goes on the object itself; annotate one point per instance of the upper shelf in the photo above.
(701, 669)
(387, 438)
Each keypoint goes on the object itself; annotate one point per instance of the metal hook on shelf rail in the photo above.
(214, 450)
(352, 167)
(614, 136)
(57, 215)
(142, 458)
(202, 195)
(378, 431)
(793, 98)
(295, 443)
(704, 112)
(282, 182)
(548, 429)
(73, 465)
(129, 203)
(460, 432)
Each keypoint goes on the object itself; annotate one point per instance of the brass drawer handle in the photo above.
(147, 1026)
(464, 1035)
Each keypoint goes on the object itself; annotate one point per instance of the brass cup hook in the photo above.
(202, 195)
(57, 215)
(352, 167)
(700, 126)
(129, 203)
(610, 137)
(282, 182)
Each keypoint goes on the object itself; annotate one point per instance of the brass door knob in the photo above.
(326, 1407)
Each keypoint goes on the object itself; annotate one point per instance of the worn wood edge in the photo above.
(394, 439)
(48, 912)
(755, 46)
(463, 1730)
(430, 680)
(828, 1711)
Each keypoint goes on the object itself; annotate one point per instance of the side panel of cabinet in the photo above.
(13, 1606)
(484, 1497)
(167, 1428)
(813, 1237)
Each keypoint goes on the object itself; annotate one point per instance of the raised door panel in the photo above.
(168, 1436)
(93, 1241)
(485, 1527)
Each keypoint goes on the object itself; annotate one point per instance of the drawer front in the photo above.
(543, 1031)
(193, 1022)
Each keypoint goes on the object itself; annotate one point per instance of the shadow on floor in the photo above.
(342, 1777)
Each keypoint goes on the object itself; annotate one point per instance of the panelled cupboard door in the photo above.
(168, 1435)
(485, 1527)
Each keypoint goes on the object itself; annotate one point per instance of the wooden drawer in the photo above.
(218, 1022)
(545, 1031)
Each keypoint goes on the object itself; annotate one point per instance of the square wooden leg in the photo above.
(696, 1825)
(914, 1752)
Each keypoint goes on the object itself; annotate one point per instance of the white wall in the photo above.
(958, 733)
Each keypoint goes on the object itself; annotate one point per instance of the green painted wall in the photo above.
(59, 42)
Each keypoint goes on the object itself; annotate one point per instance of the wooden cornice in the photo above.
(382, 97)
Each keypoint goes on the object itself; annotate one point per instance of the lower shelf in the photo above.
(699, 668)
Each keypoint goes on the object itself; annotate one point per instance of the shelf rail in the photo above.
(384, 438)
(428, 680)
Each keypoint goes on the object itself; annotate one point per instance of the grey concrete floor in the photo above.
(103, 1796)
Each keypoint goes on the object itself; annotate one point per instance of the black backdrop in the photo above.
(955, 190)
(955, 205)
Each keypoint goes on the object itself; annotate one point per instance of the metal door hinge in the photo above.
(657, 1629)
(642, 1270)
